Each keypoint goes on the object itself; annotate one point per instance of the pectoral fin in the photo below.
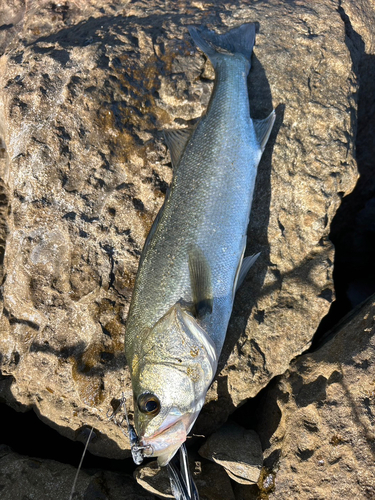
(201, 284)
(263, 129)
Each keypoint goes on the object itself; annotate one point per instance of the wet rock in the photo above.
(323, 446)
(208, 477)
(238, 450)
(85, 94)
(35, 478)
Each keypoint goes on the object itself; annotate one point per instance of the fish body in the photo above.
(191, 262)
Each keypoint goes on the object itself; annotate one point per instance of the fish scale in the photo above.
(184, 290)
(212, 189)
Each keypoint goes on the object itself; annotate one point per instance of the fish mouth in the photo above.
(165, 443)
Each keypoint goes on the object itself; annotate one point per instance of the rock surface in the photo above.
(238, 450)
(37, 479)
(323, 444)
(154, 479)
(85, 94)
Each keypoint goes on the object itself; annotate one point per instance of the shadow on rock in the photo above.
(88, 360)
(353, 229)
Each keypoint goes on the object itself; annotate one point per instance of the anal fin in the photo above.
(263, 129)
(245, 267)
(242, 270)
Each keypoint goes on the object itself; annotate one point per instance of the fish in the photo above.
(193, 260)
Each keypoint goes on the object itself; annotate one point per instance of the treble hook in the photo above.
(137, 450)
(182, 483)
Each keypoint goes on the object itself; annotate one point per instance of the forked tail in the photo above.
(237, 41)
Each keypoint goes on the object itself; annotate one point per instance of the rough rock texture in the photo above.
(36, 479)
(360, 14)
(238, 450)
(85, 94)
(323, 444)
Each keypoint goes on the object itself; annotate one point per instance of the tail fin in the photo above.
(238, 40)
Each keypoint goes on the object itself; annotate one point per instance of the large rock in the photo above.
(85, 95)
(238, 450)
(154, 479)
(359, 16)
(38, 479)
(322, 445)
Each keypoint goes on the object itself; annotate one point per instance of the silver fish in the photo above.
(192, 262)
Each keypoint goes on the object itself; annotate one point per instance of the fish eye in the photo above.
(149, 404)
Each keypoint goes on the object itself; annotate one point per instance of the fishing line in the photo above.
(181, 480)
(80, 464)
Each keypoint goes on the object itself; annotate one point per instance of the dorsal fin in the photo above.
(263, 129)
(176, 141)
(201, 284)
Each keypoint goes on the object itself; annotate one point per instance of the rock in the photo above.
(154, 479)
(352, 229)
(323, 445)
(242, 492)
(85, 94)
(35, 478)
(208, 477)
(361, 16)
(211, 483)
(238, 450)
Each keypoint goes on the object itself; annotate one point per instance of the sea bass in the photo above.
(192, 262)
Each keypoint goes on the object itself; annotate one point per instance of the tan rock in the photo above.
(85, 93)
(238, 450)
(360, 14)
(323, 446)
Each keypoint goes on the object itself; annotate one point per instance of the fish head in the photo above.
(171, 373)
